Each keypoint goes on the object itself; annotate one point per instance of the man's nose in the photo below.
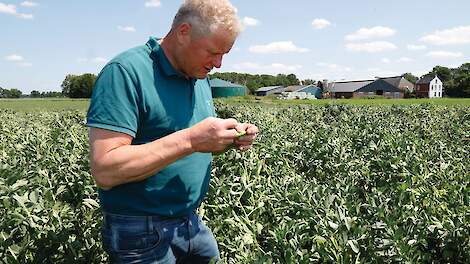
(217, 61)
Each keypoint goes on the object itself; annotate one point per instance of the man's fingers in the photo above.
(229, 123)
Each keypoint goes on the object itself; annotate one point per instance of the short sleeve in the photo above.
(114, 102)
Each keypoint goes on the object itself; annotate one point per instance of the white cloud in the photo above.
(126, 28)
(404, 59)
(386, 60)
(320, 23)
(370, 33)
(14, 57)
(29, 4)
(250, 22)
(277, 47)
(415, 47)
(273, 68)
(457, 35)
(11, 10)
(7, 9)
(153, 3)
(444, 54)
(333, 67)
(372, 47)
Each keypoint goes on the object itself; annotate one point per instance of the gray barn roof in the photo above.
(398, 81)
(348, 86)
(425, 79)
(268, 88)
(379, 85)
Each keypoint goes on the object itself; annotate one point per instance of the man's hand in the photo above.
(213, 134)
(248, 132)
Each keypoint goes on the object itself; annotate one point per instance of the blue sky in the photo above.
(43, 41)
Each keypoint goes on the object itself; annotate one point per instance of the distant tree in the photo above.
(410, 77)
(13, 93)
(320, 85)
(51, 94)
(308, 82)
(292, 79)
(444, 73)
(35, 94)
(255, 81)
(456, 81)
(78, 86)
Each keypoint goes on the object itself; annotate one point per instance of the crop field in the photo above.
(326, 183)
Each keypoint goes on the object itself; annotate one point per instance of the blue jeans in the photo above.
(158, 239)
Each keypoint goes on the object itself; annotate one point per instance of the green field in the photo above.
(329, 183)
(32, 105)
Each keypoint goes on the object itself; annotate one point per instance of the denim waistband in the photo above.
(149, 221)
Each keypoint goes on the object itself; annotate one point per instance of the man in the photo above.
(152, 132)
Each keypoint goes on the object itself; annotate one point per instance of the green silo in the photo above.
(221, 88)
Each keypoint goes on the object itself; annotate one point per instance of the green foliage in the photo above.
(37, 94)
(308, 82)
(78, 86)
(48, 200)
(253, 82)
(345, 184)
(456, 81)
(323, 184)
(10, 93)
(410, 77)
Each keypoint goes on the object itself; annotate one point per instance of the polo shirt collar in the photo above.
(159, 56)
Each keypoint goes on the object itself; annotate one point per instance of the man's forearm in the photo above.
(131, 163)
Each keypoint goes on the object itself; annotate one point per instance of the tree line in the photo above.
(456, 82)
(10, 93)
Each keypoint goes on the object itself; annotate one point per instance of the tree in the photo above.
(78, 86)
(308, 82)
(12, 93)
(35, 94)
(410, 77)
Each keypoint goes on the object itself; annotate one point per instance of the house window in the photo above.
(434, 94)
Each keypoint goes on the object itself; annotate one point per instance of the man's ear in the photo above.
(183, 33)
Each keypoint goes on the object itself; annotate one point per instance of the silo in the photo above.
(221, 88)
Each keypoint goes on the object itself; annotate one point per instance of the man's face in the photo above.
(202, 54)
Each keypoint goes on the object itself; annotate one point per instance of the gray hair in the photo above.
(206, 16)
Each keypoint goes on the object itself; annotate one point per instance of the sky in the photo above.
(41, 41)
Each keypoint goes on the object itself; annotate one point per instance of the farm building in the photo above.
(221, 88)
(379, 87)
(313, 90)
(400, 82)
(389, 87)
(302, 92)
(345, 89)
(268, 90)
(429, 87)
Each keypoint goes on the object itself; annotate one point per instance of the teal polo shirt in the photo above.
(139, 93)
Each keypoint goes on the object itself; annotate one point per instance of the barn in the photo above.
(379, 87)
(268, 90)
